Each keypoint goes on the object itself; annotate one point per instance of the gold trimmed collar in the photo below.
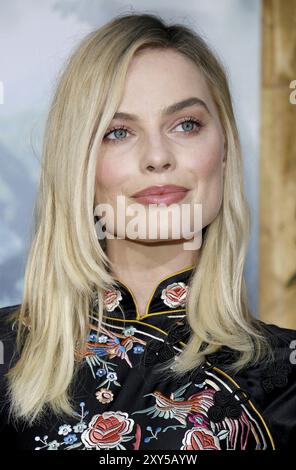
(168, 296)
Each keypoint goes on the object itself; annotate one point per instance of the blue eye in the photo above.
(115, 131)
(192, 122)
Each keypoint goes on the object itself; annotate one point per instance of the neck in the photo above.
(141, 266)
(148, 261)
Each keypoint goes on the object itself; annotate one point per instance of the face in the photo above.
(183, 147)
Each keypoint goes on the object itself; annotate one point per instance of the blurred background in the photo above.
(35, 40)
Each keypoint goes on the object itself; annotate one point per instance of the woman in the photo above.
(136, 342)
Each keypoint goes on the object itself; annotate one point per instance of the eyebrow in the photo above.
(167, 111)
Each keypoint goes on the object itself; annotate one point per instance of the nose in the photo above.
(158, 168)
(157, 158)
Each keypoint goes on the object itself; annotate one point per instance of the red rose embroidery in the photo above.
(111, 299)
(108, 430)
(200, 439)
(175, 295)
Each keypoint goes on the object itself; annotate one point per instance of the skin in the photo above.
(160, 150)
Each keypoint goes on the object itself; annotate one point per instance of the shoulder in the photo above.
(6, 313)
(282, 371)
(282, 341)
(7, 358)
(7, 337)
(278, 333)
(278, 382)
(272, 376)
(271, 384)
(6, 320)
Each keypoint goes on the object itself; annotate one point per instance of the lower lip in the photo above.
(167, 199)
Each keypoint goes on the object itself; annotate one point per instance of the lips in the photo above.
(166, 194)
(160, 190)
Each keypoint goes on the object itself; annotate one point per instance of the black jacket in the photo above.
(124, 402)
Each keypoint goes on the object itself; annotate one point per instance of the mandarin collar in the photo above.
(168, 296)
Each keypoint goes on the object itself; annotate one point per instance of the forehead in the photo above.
(158, 78)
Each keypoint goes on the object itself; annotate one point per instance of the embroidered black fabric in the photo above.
(117, 386)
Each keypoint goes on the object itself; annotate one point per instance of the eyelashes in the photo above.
(190, 120)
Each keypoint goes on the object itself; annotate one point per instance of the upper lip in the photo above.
(159, 190)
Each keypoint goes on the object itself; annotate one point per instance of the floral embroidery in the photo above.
(105, 431)
(211, 418)
(104, 395)
(138, 349)
(80, 427)
(103, 339)
(111, 299)
(201, 413)
(200, 439)
(103, 343)
(70, 439)
(237, 429)
(116, 345)
(65, 429)
(53, 445)
(112, 429)
(130, 331)
(153, 434)
(101, 372)
(175, 295)
(108, 431)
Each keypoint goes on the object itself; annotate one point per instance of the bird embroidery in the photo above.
(176, 407)
(116, 345)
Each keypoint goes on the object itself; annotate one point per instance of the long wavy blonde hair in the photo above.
(67, 264)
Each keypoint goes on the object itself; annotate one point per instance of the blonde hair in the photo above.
(66, 264)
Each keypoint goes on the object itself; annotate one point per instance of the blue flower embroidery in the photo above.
(138, 349)
(101, 372)
(70, 439)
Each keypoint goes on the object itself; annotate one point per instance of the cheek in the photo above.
(207, 167)
(207, 160)
(110, 178)
(106, 173)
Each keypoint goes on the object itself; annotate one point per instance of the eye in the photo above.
(190, 129)
(119, 133)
